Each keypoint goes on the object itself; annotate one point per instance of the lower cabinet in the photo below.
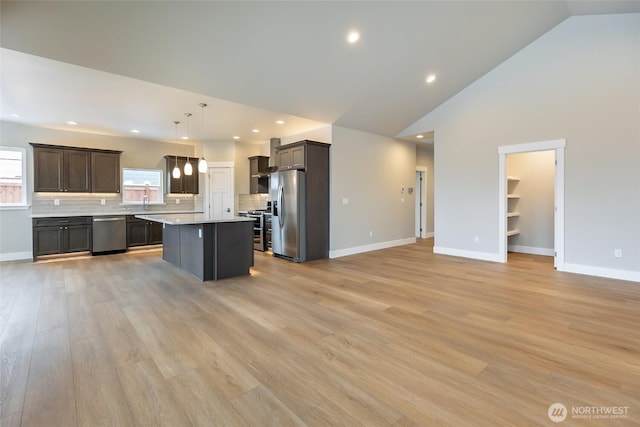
(141, 232)
(61, 235)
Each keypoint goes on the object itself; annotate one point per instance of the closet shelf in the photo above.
(513, 214)
(512, 233)
(513, 178)
(513, 196)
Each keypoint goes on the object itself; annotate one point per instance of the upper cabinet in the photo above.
(105, 172)
(186, 184)
(302, 155)
(291, 156)
(77, 170)
(258, 184)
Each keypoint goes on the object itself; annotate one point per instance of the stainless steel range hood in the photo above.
(273, 144)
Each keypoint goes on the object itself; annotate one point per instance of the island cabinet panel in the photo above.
(232, 256)
(171, 244)
(210, 251)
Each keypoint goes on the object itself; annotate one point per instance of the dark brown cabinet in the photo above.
(186, 184)
(105, 172)
(61, 235)
(75, 170)
(291, 156)
(141, 232)
(258, 184)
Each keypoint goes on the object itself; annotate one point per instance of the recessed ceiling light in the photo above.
(255, 130)
(135, 131)
(431, 78)
(280, 122)
(353, 36)
(16, 115)
(236, 137)
(419, 136)
(72, 123)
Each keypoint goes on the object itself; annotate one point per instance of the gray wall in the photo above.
(370, 170)
(536, 189)
(424, 157)
(579, 81)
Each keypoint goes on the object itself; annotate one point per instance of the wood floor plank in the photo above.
(149, 396)
(100, 400)
(50, 398)
(396, 337)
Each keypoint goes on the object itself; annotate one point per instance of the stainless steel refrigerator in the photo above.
(288, 208)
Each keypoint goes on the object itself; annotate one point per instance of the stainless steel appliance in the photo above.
(109, 233)
(288, 215)
(259, 241)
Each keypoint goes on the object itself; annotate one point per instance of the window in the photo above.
(142, 186)
(13, 184)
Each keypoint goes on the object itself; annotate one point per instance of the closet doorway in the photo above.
(510, 187)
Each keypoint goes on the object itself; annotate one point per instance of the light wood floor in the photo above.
(396, 337)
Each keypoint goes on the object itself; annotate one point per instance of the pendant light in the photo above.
(176, 170)
(202, 163)
(188, 169)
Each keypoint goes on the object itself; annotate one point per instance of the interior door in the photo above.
(221, 193)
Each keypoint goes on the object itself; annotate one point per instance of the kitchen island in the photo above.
(210, 248)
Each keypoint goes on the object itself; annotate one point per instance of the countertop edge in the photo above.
(60, 215)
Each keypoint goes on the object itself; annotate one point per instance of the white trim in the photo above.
(220, 165)
(368, 248)
(422, 195)
(482, 256)
(558, 145)
(610, 273)
(429, 235)
(553, 144)
(531, 250)
(15, 256)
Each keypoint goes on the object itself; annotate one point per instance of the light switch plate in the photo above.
(177, 201)
(56, 202)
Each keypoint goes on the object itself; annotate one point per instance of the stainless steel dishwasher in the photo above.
(109, 233)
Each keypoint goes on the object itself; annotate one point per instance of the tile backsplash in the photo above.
(74, 204)
(250, 202)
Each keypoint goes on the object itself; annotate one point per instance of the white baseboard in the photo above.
(15, 256)
(530, 250)
(609, 273)
(429, 235)
(483, 256)
(368, 248)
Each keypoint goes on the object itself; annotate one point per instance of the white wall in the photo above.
(580, 81)
(370, 170)
(536, 203)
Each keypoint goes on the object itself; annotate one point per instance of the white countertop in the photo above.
(57, 215)
(190, 218)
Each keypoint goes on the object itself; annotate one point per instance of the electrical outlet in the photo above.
(476, 239)
(103, 202)
(177, 201)
(617, 253)
(370, 233)
(345, 201)
(402, 200)
(56, 202)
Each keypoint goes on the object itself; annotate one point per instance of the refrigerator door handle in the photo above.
(281, 206)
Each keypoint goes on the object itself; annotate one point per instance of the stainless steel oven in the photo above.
(259, 241)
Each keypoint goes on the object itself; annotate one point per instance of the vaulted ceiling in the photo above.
(116, 66)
